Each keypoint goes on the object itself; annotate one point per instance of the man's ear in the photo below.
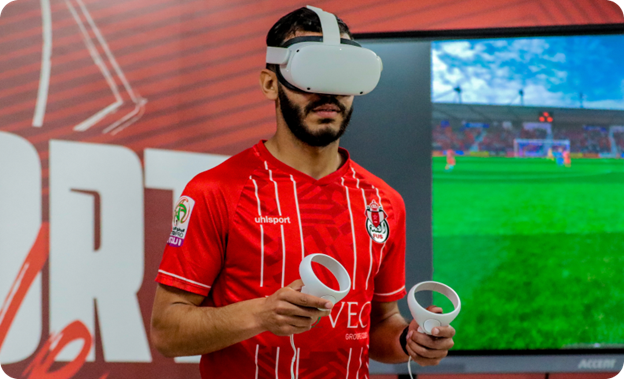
(268, 84)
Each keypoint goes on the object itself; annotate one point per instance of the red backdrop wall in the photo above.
(184, 76)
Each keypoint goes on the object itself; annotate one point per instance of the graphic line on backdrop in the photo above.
(46, 64)
(139, 102)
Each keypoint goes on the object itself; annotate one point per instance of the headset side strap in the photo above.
(276, 55)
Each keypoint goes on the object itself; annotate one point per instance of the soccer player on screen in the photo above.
(450, 160)
(228, 285)
(566, 158)
(559, 157)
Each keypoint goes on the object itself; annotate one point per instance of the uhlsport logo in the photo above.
(376, 224)
(181, 217)
(272, 220)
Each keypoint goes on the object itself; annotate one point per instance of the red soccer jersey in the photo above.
(240, 231)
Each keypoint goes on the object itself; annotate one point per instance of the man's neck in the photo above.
(316, 162)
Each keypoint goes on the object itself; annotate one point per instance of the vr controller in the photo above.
(429, 320)
(312, 285)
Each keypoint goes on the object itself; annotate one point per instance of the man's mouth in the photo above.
(327, 110)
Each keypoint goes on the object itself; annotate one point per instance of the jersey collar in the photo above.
(335, 176)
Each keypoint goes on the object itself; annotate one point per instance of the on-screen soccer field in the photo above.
(534, 250)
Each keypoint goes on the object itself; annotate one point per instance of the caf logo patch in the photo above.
(181, 217)
(376, 224)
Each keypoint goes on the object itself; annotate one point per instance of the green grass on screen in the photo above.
(534, 250)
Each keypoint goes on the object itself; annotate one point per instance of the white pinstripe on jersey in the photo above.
(261, 235)
(257, 348)
(298, 216)
(357, 374)
(348, 363)
(279, 211)
(384, 245)
(352, 233)
(390, 293)
(277, 364)
(184, 279)
(370, 241)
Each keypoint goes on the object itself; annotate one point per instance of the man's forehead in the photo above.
(302, 33)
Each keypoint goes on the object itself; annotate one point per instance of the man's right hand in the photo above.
(288, 311)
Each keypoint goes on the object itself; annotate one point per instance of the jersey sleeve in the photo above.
(195, 250)
(390, 280)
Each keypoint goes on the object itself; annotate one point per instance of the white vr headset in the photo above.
(328, 64)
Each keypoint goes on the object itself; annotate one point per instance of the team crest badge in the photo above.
(376, 224)
(181, 217)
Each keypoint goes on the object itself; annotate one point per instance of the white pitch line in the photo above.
(46, 65)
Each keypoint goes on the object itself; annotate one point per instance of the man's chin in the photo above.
(323, 130)
(325, 124)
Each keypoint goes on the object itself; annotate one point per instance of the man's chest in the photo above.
(278, 222)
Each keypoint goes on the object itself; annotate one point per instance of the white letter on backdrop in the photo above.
(172, 170)
(102, 266)
(20, 221)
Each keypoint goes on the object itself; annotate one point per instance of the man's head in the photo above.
(314, 119)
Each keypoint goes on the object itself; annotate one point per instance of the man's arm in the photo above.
(181, 327)
(387, 324)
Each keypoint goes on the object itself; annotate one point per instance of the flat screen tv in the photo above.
(525, 144)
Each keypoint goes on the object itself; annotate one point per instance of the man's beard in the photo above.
(294, 116)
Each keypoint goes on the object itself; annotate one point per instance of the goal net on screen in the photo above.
(531, 148)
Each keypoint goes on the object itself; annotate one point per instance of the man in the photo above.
(450, 160)
(229, 285)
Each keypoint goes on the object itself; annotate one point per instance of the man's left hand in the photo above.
(428, 350)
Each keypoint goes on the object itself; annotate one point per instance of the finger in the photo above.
(443, 331)
(305, 300)
(289, 309)
(296, 285)
(435, 309)
(298, 330)
(287, 330)
(422, 361)
(410, 351)
(299, 322)
(430, 342)
(425, 352)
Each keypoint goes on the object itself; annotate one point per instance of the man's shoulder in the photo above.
(227, 176)
(379, 183)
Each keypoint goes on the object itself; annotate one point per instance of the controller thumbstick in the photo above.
(430, 324)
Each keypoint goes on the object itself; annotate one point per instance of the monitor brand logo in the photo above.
(596, 363)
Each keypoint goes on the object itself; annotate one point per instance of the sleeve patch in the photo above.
(181, 218)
